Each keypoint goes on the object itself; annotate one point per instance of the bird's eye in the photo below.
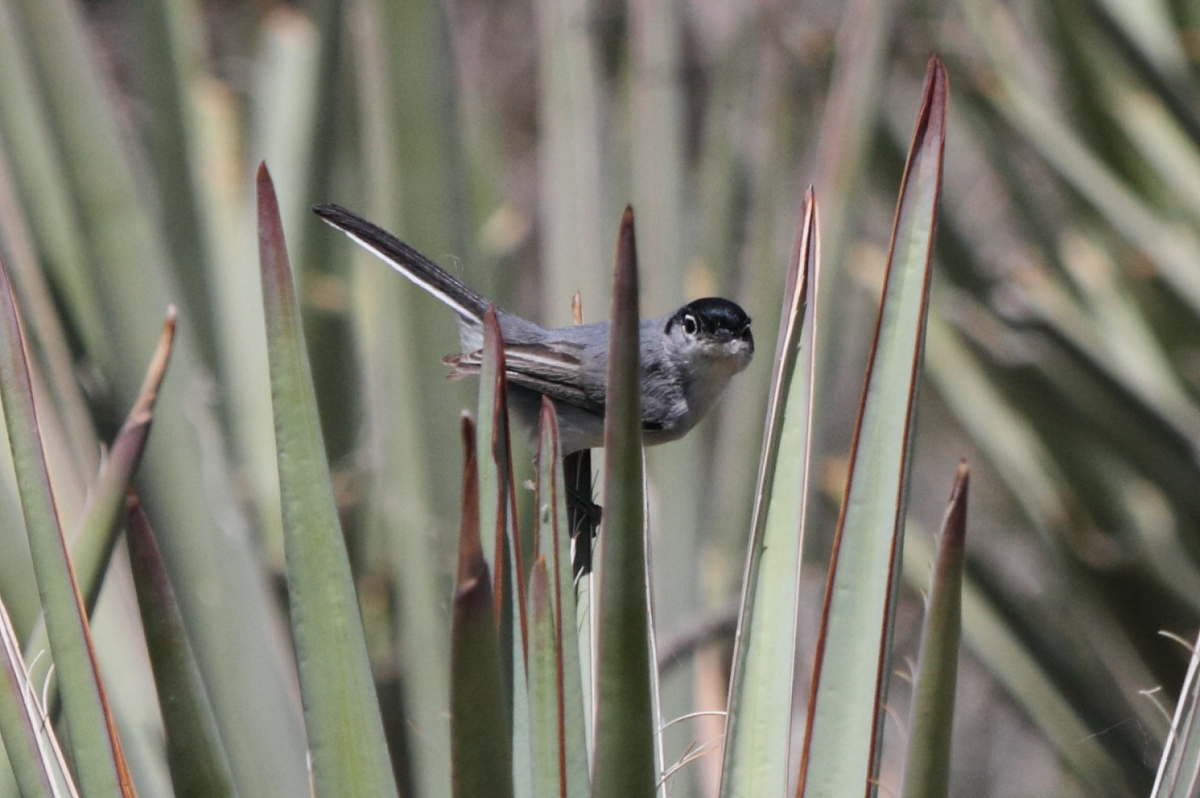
(689, 324)
(744, 334)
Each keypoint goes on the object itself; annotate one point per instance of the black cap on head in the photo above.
(711, 315)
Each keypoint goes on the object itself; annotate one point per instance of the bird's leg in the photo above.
(583, 514)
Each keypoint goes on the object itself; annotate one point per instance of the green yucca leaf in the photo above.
(97, 752)
(195, 753)
(223, 592)
(626, 720)
(760, 707)
(480, 740)
(544, 687)
(841, 747)
(927, 765)
(498, 513)
(101, 522)
(345, 732)
(554, 547)
(1074, 187)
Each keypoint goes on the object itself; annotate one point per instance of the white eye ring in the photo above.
(689, 324)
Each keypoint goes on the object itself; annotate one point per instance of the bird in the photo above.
(687, 358)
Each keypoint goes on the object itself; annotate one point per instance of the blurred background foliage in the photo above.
(503, 138)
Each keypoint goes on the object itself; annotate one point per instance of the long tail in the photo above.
(406, 260)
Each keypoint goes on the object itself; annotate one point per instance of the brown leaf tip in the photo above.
(470, 548)
(626, 248)
(962, 480)
(954, 526)
(936, 78)
(268, 203)
(547, 411)
(468, 434)
(935, 67)
(492, 336)
(626, 264)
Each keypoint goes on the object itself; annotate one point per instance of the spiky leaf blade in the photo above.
(927, 765)
(625, 714)
(849, 687)
(759, 708)
(345, 731)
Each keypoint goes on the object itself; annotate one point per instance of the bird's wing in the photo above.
(552, 370)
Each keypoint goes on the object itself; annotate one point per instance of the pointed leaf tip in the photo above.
(158, 362)
(272, 248)
(936, 95)
(954, 527)
(962, 480)
(493, 345)
(624, 721)
(265, 188)
(760, 682)
(626, 248)
(471, 564)
(844, 717)
(962, 476)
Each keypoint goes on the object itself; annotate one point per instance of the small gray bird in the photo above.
(687, 358)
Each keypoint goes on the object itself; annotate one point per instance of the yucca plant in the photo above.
(518, 700)
(506, 138)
